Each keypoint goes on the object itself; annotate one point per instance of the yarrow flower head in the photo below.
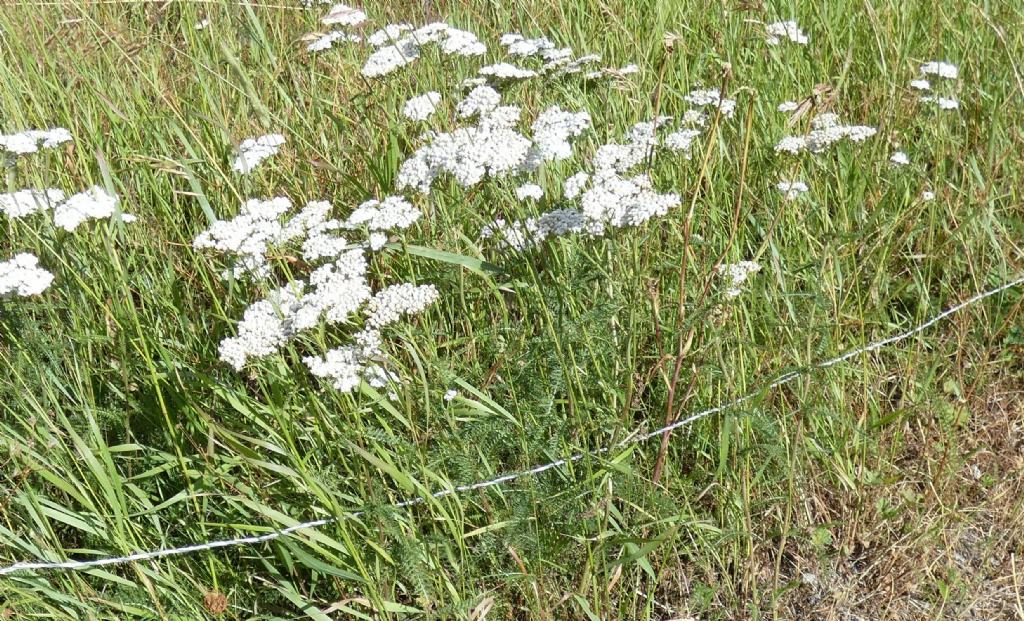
(479, 100)
(785, 30)
(248, 235)
(899, 158)
(792, 189)
(30, 141)
(22, 277)
(25, 202)
(397, 53)
(252, 151)
(506, 71)
(941, 69)
(943, 103)
(394, 212)
(735, 274)
(343, 15)
(825, 131)
(712, 97)
(92, 204)
(529, 191)
(328, 40)
(421, 107)
(788, 106)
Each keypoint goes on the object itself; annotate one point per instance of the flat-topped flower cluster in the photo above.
(22, 276)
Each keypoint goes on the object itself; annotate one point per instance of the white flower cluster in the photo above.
(252, 151)
(388, 34)
(400, 52)
(337, 291)
(942, 70)
(520, 236)
(92, 204)
(491, 148)
(788, 106)
(377, 217)
(346, 366)
(265, 327)
(389, 305)
(785, 30)
(735, 274)
(248, 235)
(421, 107)
(22, 276)
(68, 213)
(943, 103)
(607, 198)
(327, 41)
(899, 158)
(529, 191)
(506, 71)
(681, 141)
(343, 15)
(552, 131)
(31, 140)
(792, 189)
(825, 131)
(712, 97)
(480, 100)
(25, 202)
(556, 61)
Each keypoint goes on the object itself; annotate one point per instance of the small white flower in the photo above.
(24, 202)
(941, 69)
(343, 15)
(479, 100)
(394, 212)
(22, 276)
(825, 131)
(736, 274)
(927, 195)
(943, 103)
(529, 190)
(92, 204)
(328, 40)
(574, 185)
(519, 46)
(788, 106)
(899, 158)
(921, 85)
(389, 305)
(451, 394)
(682, 141)
(785, 30)
(30, 141)
(506, 71)
(252, 151)
(792, 189)
(420, 108)
(202, 24)
(388, 34)
(712, 97)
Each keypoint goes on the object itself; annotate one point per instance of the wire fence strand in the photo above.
(635, 438)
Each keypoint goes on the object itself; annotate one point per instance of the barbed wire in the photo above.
(635, 438)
